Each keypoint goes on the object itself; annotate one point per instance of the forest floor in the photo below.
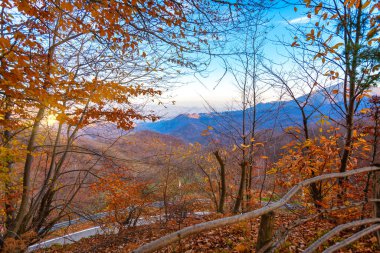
(239, 237)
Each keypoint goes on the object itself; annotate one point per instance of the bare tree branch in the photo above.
(353, 238)
(337, 230)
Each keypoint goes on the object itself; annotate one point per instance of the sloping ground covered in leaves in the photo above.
(237, 238)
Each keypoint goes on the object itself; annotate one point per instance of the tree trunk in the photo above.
(222, 196)
(352, 59)
(264, 238)
(240, 195)
(316, 193)
(248, 191)
(27, 173)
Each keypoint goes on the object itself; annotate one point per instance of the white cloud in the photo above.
(301, 20)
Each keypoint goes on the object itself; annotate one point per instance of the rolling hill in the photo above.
(272, 115)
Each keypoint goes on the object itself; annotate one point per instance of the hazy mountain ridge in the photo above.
(272, 115)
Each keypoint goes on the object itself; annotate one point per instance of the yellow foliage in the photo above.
(317, 156)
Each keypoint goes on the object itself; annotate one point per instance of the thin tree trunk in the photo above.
(214, 199)
(376, 195)
(9, 204)
(165, 196)
(222, 196)
(351, 46)
(26, 175)
(240, 196)
(316, 193)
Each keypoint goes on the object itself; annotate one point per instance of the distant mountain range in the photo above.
(272, 115)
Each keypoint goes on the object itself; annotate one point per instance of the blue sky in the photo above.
(195, 89)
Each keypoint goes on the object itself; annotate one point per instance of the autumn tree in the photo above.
(84, 62)
(124, 198)
(344, 37)
(244, 66)
(373, 113)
